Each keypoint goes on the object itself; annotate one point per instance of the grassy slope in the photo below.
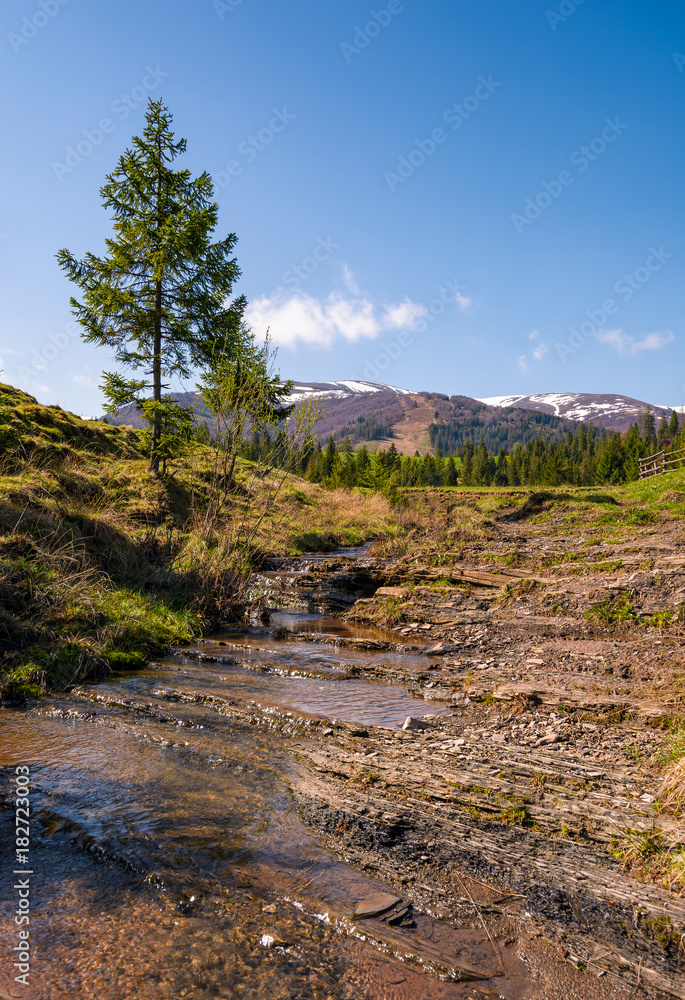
(102, 564)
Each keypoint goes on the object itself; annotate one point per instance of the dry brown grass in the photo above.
(672, 792)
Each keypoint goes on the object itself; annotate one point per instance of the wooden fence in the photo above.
(655, 465)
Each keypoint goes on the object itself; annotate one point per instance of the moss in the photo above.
(119, 660)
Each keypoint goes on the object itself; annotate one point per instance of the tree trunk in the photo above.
(157, 380)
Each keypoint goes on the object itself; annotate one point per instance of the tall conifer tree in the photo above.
(158, 297)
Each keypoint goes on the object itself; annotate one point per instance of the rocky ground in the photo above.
(551, 626)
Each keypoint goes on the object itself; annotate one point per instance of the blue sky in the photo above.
(467, 196)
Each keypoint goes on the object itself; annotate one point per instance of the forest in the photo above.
(588, 456)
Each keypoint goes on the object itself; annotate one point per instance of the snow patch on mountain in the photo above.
(607, 409)
(342, 389)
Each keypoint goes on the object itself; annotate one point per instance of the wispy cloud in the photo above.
(321, 322)
(540, 348)
(627, 346)
(522, 363)
(349, 281)
(404, 316)
(83, 380)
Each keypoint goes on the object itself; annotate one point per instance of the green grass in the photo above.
(619, 611)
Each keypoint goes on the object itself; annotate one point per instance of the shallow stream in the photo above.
(168, 856)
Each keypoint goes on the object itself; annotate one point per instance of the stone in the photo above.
(392, 592)
(411, 723)
(400, 914)
(374, 906)
(441, 647)
(327, 732)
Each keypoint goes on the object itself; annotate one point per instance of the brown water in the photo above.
(168, 854)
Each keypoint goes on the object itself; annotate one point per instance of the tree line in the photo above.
(588, 456)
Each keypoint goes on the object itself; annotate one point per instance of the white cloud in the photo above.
(626, 346)
(306, 320)
(463, 302)
(349, 281)
(540, 348)
(404, 316)
(522, 363)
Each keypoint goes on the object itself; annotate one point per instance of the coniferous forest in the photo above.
(588, 456)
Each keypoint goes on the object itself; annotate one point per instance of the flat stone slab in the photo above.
(373, 906)
(392, 592)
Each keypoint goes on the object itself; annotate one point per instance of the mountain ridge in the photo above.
(379, 414)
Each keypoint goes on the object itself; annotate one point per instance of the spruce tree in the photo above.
(158, 297)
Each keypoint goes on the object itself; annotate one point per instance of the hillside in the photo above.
(103, 564)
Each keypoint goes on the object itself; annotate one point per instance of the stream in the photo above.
(169, 859)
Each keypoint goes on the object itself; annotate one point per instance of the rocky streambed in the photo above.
(249, 818)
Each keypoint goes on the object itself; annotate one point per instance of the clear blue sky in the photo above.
(341, 106)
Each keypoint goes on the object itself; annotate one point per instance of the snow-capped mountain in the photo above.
(373, 411)
(343, 389)
(608, 410)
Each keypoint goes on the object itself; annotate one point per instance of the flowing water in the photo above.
(169, 860)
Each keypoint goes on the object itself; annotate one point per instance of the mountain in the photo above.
(379, 414)
(344, 389)
(610, 411)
